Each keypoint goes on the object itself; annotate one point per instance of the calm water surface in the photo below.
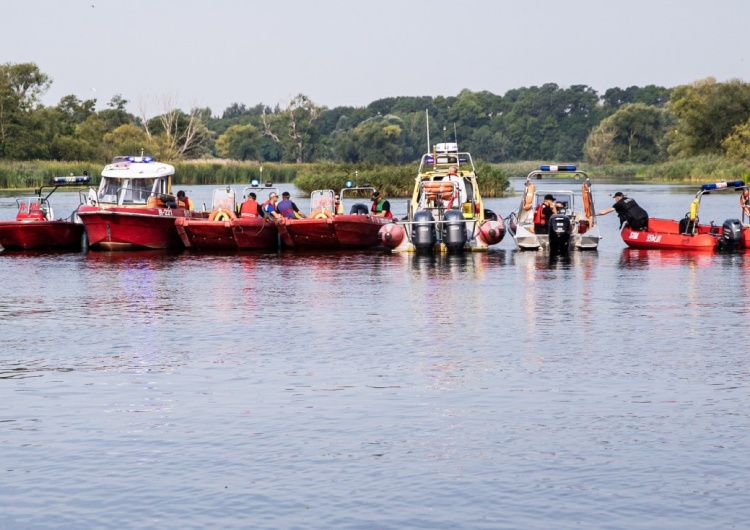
(368, 390)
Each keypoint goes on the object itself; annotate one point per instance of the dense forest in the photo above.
(640, 125)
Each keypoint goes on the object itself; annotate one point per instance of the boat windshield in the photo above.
(127, 191)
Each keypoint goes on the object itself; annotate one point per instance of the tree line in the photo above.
(633, 125)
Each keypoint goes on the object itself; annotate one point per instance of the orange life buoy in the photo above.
(586, 192)
(528, 198)
(222, 214)
(320, 213)
(324, 203)
(442, 189)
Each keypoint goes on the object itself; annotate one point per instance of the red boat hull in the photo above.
(664, 234)
(38, 235)
(243, 233)
(337, 233)
(132, 228)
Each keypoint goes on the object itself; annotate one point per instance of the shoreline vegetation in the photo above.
(393, 180)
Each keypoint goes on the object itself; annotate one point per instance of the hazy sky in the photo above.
(212, 53)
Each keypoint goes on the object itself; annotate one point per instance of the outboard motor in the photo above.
(423, 231)
(454, 230)
(559, 234)
(731, 235)
(359, 209)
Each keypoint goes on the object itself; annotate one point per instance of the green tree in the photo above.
(638, 130)
(737, 144)
(21, 88)
(294, 128)
(707, 113)
(379, 140)
(240, 142)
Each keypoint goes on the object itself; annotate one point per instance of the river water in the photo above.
(369, 390)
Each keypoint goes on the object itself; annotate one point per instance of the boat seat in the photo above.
(687, 226)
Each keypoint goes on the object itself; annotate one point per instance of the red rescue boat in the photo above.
(688, 234)
(224, 230)
(134, 207)
(35, 226)
(329, 228)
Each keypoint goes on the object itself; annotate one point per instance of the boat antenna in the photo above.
(455, 134)
(427, 117)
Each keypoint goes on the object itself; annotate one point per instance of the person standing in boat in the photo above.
(338, 208)
(546, 209)
(269, 207)
(628, 211)
(745, 203)
(250, 207)
(380, 206)
(288, 209)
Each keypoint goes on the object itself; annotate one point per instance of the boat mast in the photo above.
(427, 116)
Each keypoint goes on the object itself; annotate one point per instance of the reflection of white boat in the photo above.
(572, 227)
(446, 212)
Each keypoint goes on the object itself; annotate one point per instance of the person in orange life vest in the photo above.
(269, 207)
(338, 208)
(183, 201)
(380, 206)
(250, 207)
(544, 211)
(288, 209)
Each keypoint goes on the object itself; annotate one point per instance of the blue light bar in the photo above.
(84, 179)
(557, 168)
(429, 160)
(142, 159)
(722, 185)
(254, 183)
(349, 184)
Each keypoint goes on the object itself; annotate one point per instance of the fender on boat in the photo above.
(391, 235)
(492, 232)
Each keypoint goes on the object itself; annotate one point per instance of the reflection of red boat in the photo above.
(688, 234)
(35, 226)
(223, 230)
(133, 207)
(324, 230)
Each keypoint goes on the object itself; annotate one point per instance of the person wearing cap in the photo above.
(380, 206)
(269, 207)
(288, 209)
(250, 207)
(546, 209)
(628, 211)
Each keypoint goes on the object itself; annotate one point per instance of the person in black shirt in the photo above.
(628, 211)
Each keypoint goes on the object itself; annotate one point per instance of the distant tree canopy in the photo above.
(548, 122)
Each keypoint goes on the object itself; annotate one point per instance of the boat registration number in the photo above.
(165, 212)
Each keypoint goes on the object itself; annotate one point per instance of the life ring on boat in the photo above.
(320, 213)
(439, 189)
(222, 214)
(586, 193)
(323, 203)
(528, 198)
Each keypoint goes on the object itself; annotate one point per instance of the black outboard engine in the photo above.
(454, 230)
(731, 235)
(559, 235)
(423, 231)
(359, 209)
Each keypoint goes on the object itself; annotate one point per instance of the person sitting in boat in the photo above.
(338, 208)
(288, 209)
(183, 201)
(745, 203)
(628, 211)
(269, 207)
(380, 206)
(459, 195)
(250, 207)
(546, 209)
